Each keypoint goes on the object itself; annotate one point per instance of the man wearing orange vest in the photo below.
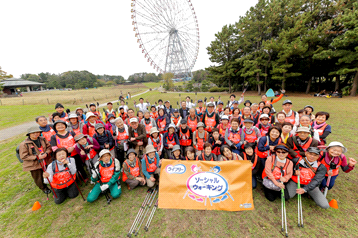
(291, 116)
(311, 173)
(137, 136)
(298, 145)
(106, 176)
(185, 136)
(210, 118)
(200, 110)
(192, 119)
(272, 101)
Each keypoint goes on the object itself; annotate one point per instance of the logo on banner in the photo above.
(210, 185)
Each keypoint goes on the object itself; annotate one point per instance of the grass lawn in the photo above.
(77, 218)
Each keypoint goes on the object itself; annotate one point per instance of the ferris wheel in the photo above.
(167, 31)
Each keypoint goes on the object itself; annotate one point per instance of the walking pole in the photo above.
(143, 210)
(299, 200)
(283, 203)
(331, 167)
(43, 169)
(66, 166)
(151, 216)
(139, 211)
(147, 209)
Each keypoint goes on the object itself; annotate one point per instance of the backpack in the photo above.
(18, 154)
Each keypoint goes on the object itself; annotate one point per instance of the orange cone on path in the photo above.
(333, 204)
(36, 206)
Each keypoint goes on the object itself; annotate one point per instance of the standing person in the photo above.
(211, 100)
(148, 122)
(234, 136)
(124, 106)
(108, 111)
(170, 139)
(93, 109)
(261, 105)
(311, 173)
(176, 153)
(200, 110)
(184, 111)
(80, 113)
(226, 154)
(153, 112)
(137, 136)
(291, 116)
(200, 137)
(89, 127)
(227, 112)
(108, 172)
(151, 165)
(122, 114)
(104, 139)
(121, 139)
(142, 106)
(280, 119)
(273, 179)
(267, 110)
(246, 114)
(322, 127)
(185, 135)
(176, 118)
(62, 174)
(251, 133)
(189, 104)
(33, 151)
(46, 130)
(210, 118)
(132, 171)
(140, 116)
(298, 145)
(286, 131)
(74, 124)
(168, 109)
(130, 114)
(216, 141)
(272, 101)
(156, 140)
(207, 154)
(264, 124)
(192, 119)
(249, 154)
(162, 121)
(332, 159)
(61, 110)
(309, 111)
(160, 104)
(223, 125)
(220, 108)
(232, 99)
(255, 113)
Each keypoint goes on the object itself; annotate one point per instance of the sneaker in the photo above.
(92, 182)
(46, 190)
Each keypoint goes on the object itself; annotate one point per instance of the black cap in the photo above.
(200, 100)
(183, 121)
(59, 105)
(314, 150)
(92, 104)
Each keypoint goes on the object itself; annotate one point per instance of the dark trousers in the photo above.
(271, 195)
(254, 181)
(182, 148)
(38, 178)
(71, 192)
(331, 182)
(120, 155)
(80, 166)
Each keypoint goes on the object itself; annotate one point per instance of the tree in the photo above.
(3, 76)
(168, 81)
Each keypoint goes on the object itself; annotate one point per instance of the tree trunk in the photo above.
(338, 78)
(309, 85)
(354, 85)
(258, 84)
(230, 85)
(319, 84)
(265, 89)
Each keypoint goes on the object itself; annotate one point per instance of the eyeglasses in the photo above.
(281, 152)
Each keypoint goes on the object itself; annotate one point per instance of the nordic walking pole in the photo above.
(299, 204)
(66, 166)
(284, 203)
(142, 212)
(43, 169)
(146, 228)
(331, 167)
(139, 211)
(146, 212)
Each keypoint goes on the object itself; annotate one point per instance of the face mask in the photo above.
(111, 121)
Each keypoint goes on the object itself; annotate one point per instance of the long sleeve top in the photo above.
(344, 165)
(262, 142)
(95, 147)
(268, 169)
(116, 173)
(166, 136)
(61, 167)
(150, 161)
(127, 171)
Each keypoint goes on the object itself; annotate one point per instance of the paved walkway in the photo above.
(21, 129)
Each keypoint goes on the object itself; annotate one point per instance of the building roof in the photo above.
(14, 83)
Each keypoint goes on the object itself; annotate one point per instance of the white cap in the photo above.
(336, 143)
(134, 119)
(224, 117)
(72, 116)
(264, 116)
(104, 151)
(89, 114)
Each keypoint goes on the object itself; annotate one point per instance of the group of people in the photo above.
(282, 145)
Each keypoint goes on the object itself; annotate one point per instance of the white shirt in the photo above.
(160, 106)
(189, 104)
(142, 106)
(125, 107)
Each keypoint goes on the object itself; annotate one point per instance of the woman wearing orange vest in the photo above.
(106, 176)
(223, 125)
(250, 132)
(311, 173)
(153, 112)
(189, 153)
(122, 114)
(170, 139)
(207, 154)
(89, 127)
(47, 130)
(132, 171)
(62, 174)
(267, 110)
(185, 136)
(298, 145)
(74, 124)
(249, 154)
(176, 118)
(263, 125)
(148, 122)
(216, 141)
(121, 139)
(333, 158)
(156, 140)
(151, 165)
(176, 153)
(273, 179)
(162, 121)
(321, 126)
(234, 136)
(211, 119)
(226, 154)
(200, 136)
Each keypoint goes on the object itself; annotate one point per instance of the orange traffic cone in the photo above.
(333, 204)
(36, 206)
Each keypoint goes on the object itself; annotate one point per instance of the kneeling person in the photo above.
(132, 170)
(108, 169)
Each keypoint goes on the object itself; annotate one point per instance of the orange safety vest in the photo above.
(90, 130)
(62, 179)
(200, 110)
(122, 136)
(192, 124)
(222, 130)
(106, 173)
(175, 120)
(251, 138)
(234, 155)
(291, 119)
(203, 157)
(154, 115)
(151, 167)
(334, 171)
(276, 171)
(171, 141)
(148, 127)
(48, 134)
(184, 137)
(234, 137)
(321, 130)
(162, 124)
(255, 161)
(209, 122)
(242, 120)
(158, 145)
(133, 171)
(306, 174)
(123, 116)
(304, 147)
(264, 154)
(263, 130)
(77, 131)
(66, 143)
(199, 141)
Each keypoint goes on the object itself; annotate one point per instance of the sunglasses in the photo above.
(281, 152)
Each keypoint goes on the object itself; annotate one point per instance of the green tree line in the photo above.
(297, 45)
